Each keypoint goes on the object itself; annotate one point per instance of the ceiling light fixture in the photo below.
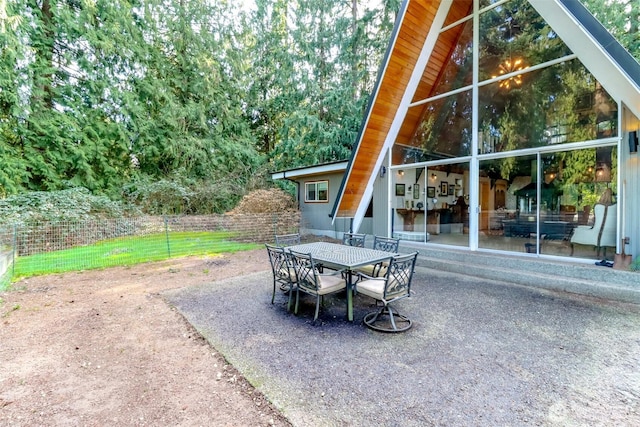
(509, 67)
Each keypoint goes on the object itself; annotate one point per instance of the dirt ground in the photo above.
(101, 348)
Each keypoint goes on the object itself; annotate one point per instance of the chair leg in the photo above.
(393, 322)
(317, 307)
(290, 297)
(273, 294)
(373, 317)
(295, 311)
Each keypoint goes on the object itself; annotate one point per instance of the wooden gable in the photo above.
(402, 60)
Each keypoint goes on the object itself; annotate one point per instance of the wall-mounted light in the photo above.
(383, 171)
(400, 172)
(433, 177)
(633, 142)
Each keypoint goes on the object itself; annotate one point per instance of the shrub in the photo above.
(65, 205)
(178, 196)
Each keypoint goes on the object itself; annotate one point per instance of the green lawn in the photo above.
(128, 251)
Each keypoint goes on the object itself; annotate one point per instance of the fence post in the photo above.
(13, 250)
(166, 233)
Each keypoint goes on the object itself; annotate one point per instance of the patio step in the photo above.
(579, 278)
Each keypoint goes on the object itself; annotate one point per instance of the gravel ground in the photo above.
(480, 353)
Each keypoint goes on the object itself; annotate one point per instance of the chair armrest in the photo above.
(361, 276)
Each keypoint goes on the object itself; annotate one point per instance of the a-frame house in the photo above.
(501, 125)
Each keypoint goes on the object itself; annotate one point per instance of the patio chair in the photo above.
(387, 244)
(287, 239)
(283, 271)
(354, 239)
(312, 282)
(393, 286)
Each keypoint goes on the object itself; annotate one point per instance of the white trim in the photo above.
(473, 207)
(312, 170)
(442, 95)
(317, 191)
(555, 148)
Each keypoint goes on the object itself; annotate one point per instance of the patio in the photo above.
(480, 353)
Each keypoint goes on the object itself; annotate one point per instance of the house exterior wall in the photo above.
(380, 225)
(316, 216)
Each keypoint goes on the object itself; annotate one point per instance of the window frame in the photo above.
(317, 192)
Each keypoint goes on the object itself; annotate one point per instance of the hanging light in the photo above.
(508, 67)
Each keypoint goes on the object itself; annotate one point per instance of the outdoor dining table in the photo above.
(343, 257)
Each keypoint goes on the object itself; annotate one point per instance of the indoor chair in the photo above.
(603, 232)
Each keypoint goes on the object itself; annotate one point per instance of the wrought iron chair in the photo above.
(287, 239)
(354, 239)
(312, 282)
(387, 244)
(393, 286)
(283, 271)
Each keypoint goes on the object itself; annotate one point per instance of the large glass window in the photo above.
(459, 9)
(513, 36)
(554, 105)
(432, 203)
(561, 203)
(443, 132)
(533, 95)
(454, 57)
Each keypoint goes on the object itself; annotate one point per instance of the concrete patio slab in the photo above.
(481, 352)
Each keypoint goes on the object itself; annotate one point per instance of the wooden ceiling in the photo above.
(411, 36)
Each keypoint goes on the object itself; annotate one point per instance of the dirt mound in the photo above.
(272, 200)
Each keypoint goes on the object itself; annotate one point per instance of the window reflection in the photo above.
(444, 131)
(558, 104)
(514, 33)
(537, 208)
(459, 9)
(455, 44)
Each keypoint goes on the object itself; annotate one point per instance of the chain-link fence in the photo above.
(51, 247)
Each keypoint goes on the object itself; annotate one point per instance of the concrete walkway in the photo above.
(481, 353)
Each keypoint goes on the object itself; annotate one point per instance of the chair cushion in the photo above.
(287, 274)
(372, 287)
(380, 270)
(375, 288)
(330, 283)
